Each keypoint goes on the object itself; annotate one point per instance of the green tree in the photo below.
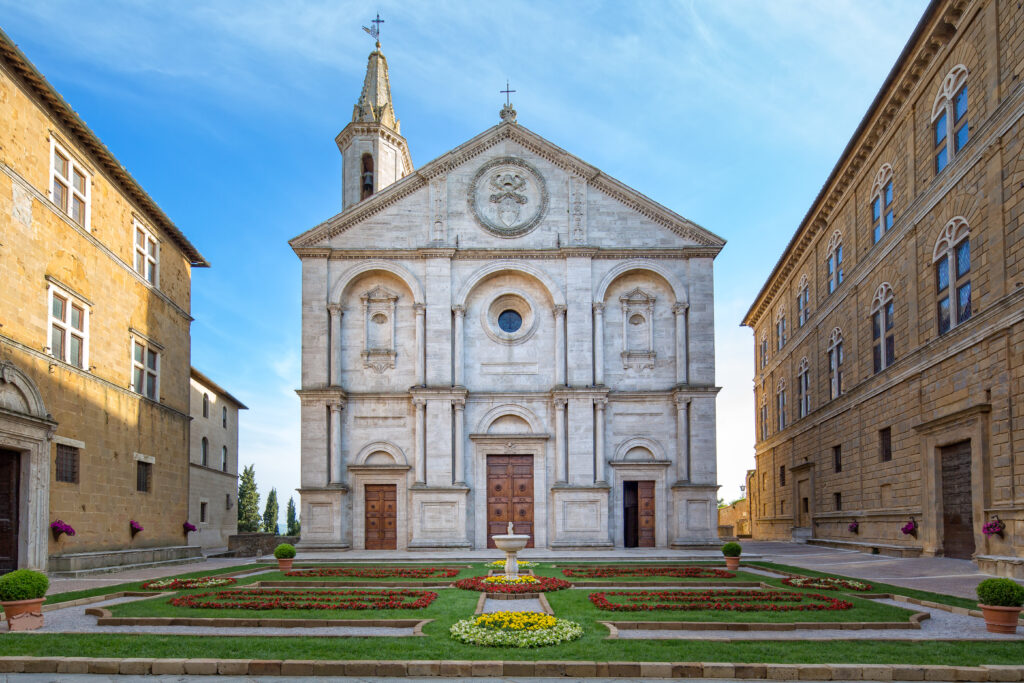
(248, 501)
(293, 522)
(270, 513)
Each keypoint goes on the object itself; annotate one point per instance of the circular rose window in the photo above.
(509, 318)
(510, 321)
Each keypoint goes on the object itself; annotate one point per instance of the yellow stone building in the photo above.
(889, 338)
(95, 284)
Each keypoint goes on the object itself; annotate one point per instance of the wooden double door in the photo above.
(9, 523)
(509, 495)
(638, 514)
(381, 516)
(957, 501)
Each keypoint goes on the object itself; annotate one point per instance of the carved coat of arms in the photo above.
(508, 197)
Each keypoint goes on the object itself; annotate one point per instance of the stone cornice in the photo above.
(490, 254)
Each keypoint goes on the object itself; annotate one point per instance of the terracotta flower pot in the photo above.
(285, 565)
(1000, 619)
(732, 563)
(16, 607)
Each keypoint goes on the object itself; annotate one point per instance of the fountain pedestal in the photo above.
(511, 543)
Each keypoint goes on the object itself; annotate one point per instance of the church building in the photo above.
(505, 334)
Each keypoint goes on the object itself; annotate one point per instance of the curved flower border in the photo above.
(829, 583)
(307, 599)
(185, 584)
(719, 601)
(466, 631)
(380, 572)
(545, 584)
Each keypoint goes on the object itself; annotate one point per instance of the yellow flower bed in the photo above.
(516, 621)
(523, 564)
(507, 581)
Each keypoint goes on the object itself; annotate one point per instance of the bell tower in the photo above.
(374, 154)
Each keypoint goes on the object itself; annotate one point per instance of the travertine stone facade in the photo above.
(926, 425)
(213, 463)
(80, 400)
(505, 299)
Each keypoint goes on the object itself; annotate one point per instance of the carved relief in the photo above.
(508, 197)
(439, 209)
(638, 330)
(379, 306)
(577, 210)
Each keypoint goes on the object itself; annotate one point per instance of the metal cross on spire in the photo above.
(375, 31)
(507, 93)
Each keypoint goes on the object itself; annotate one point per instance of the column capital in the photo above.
(600, 403)
(560, 402)
(559, 310)
(420, 403)
(682, 401)
(459, 311)
(336, 309)
(419, 309)
(680, 307)
(459, 404)
(598, 307)
(336, 406)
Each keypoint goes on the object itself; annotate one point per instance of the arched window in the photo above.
(780, 326)
(366, 177)
(764, 349)
(780, 403)
(803, 301)
(883, 345)
(882, 215)
(949, 116)
(803, 388)
(834, 261)
(764, 416)
(205, 452)
(835, 364)
(952, 259)
(223, 458)
(206, 405)
(224, 417)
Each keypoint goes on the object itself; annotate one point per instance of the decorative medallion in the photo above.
(508, 197)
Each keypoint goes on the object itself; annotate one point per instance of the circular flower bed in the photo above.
(184, 584)
(379, 572)
(515, 629)
(523, 564)
(731, 601)
(256, 599)
(829, 583)
(539, 584)
(679, 572)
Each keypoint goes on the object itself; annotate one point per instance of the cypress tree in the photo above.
(270, 513)
(248, 501)
(293, 522)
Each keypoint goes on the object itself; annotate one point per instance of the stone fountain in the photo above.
(511, 543)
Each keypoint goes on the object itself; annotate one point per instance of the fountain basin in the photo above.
(511, 543)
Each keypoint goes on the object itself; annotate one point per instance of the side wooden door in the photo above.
(9, 461)
(957, 512)
(509, 495)
(380, 517)
(645, 514)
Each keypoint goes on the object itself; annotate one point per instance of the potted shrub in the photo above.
(1000, 601)
(22, 592)
(731, 551)
(285, 554)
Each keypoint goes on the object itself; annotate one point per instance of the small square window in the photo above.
(67, 464)
(143, 476)
(202, 513)
(837, 458)
(782, 475)
(837, 500)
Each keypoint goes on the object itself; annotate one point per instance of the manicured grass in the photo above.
(464, 570)
(876, 587)
(451, 604)
(549, 570)
(52, 598)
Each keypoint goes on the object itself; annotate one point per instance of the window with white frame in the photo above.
(69, 328)
(69, 185)
(949, 117)
(952, 259)
(834, 261)
(147, 254)
(145, 369)
(835, 364)
(780, 326)
(882, 212)
(803, 301)
(803, 388)
(883, 336)
(780, 403)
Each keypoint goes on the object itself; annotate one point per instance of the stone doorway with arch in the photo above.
(379, 490)
(640, 494)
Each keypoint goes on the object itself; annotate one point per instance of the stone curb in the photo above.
(481, 668)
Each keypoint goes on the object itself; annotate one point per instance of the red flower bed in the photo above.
(546, 585)
(256, 599)
(734, 601)
(380, 572)
(678, 572)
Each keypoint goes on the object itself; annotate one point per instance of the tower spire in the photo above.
(374, 104)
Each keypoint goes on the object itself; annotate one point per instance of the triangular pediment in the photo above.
(502, 144)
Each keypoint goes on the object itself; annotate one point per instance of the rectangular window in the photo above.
(941, 131)
(960, 132)
(202, 513)
(764, 422)
(145, 370)
(802, 306)
(890, 217)
(69, 185)
(780, 330)
(782, 475)
(67, 464)
(782, 409)
(942, 289)
(831, 267)
(876, 220)
(68, 328)
(147, 254)
(885, 444)
(835, 370)
(143, 476)
(837, 458)
(837, 500)
(227, 501)
(883, 342)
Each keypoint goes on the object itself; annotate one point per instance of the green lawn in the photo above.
(556, 571)
(465, 569)
(52, 598)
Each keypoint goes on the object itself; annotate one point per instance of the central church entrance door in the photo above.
(380, 517)
(509, 495)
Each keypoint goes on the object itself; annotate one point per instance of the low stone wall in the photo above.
(113, 559)
(254, 545)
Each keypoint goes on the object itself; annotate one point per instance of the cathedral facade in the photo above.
(505, 334)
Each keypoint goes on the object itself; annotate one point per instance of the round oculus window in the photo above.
(510, 321)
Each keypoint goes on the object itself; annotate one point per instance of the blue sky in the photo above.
(731, 113)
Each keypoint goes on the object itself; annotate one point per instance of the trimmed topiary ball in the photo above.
(285, 551)
(23, 584)
(732, 549)
(1000, 593)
